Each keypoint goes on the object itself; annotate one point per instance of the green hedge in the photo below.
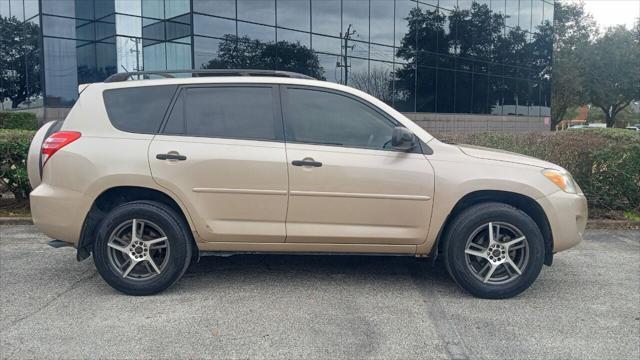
(604, 162)
(18, 120)
(14, 147)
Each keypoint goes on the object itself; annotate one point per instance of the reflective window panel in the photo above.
(326, 17)
(449, 56)
(294, 14)
(258, 11)
(226, 8)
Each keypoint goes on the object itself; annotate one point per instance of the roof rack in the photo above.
(205, 72)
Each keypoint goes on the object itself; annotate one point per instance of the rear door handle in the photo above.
(171, 156)
(306, 162)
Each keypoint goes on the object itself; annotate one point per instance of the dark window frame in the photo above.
(285, 111)
(278, 127)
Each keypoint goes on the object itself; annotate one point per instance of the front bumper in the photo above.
(567, 215)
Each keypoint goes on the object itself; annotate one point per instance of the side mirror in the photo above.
(402, 139)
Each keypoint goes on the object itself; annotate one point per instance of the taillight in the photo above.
(57, 141)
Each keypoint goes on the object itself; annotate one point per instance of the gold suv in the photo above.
(147, 174)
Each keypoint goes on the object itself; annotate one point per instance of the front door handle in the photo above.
(306, 162)
(171, 156)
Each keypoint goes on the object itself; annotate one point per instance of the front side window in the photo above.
(321, 117)
(224, 112)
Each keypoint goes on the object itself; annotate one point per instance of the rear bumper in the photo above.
(567, 215)
(58, 212)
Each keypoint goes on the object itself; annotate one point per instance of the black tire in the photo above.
(179, 243)
(468, 223)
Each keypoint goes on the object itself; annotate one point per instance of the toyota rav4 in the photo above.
(146, 174)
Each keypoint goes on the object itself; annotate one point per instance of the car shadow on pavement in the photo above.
(279, 269)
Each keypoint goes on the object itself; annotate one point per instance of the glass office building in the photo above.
(429, 56)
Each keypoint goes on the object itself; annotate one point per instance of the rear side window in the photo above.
(235, 112)
(138, 109)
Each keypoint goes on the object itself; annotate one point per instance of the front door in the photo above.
(345, 183)
(221, 152)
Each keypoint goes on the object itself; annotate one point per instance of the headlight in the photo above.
(563, 179)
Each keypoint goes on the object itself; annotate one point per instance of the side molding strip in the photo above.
(361, 195)
(239, 191)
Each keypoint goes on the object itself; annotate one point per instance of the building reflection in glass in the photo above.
(444, 56)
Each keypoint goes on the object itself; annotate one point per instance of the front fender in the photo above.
(457, 179)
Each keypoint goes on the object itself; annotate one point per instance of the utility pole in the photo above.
(346, 38)
(136, 51)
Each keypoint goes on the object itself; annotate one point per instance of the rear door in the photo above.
(221, 151)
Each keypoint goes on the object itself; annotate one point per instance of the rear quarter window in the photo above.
(138, 109)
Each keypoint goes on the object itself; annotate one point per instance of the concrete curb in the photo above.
(16, 220)
(613, 224)
(591, 224)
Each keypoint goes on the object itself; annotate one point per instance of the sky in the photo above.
(614, 12)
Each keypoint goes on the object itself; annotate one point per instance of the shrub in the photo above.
(14, 147)
(18, 120)
(604, 162)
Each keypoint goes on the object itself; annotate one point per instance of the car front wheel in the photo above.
(494, 250)
(142, 248)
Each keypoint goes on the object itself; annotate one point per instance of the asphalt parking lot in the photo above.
(274, 306)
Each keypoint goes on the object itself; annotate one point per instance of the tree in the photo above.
(573, 29)
(378, 83)
(19, 60)
(247, 53)
(613, 72)
(290, 56)
(541, 61)
(424, 38)
(470, 34)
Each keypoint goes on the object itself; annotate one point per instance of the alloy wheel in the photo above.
(497, 253)
(138, 250)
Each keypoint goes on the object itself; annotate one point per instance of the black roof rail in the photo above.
(206, 72)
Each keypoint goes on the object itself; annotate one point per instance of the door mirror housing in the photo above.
(402, 139)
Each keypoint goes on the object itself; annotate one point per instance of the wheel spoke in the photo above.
(131, 266)
(124, 243)
(117, 247)
(513, 265)
(489, 273)
(508, 270)
(513, 242)
(480, 254)
(134, 230)
(485, 267)
(477, 246)
(155, 241)
(153, 264)
(491, 238)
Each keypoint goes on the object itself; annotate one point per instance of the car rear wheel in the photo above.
(494, 250)
(142, 248)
